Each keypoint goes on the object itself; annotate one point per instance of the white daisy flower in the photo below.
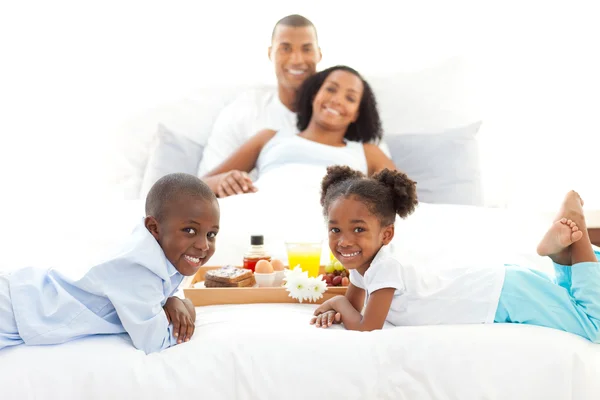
(295, 273)
(316, 288)
(298, 286)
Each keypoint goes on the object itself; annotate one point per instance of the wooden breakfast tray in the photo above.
(246, 295)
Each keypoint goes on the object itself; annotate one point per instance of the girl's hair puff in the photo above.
(385, 194)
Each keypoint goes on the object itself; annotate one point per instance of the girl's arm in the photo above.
(350, 306)
(244, 159)
(376, 311)
(376, 159)
(356, 297)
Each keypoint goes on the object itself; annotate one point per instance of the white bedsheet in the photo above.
(270, 352)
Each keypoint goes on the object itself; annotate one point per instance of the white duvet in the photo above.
(270, 351)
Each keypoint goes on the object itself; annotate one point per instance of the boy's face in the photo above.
(355, 234)
(187, 232)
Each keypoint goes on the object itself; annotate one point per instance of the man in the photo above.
(295, 54)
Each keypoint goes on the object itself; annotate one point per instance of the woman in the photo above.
(339, 125)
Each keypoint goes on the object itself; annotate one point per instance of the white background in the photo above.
(70, 71)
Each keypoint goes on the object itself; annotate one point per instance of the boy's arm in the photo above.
(138, 303)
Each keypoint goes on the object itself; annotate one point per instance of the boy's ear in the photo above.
(270, 57)
(152, 226)
(388, 234)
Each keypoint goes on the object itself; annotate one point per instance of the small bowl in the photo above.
(265, 280)
(279, 275)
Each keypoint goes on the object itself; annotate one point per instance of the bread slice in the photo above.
(228, 274)
(248, 282)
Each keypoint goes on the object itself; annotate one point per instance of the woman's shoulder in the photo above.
(376, 158)
(371, 148)
(263, 136)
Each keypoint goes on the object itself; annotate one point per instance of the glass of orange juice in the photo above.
(305, 254)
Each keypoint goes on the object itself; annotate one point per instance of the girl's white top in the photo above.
(424, 296)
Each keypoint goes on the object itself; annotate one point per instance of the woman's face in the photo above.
(337, 102)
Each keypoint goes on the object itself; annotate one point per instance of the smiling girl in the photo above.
(361, 213)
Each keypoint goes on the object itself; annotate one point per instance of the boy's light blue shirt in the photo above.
(122, 295)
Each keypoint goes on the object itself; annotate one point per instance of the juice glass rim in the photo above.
(299, 243)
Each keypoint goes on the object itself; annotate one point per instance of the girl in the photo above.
(361, 213)
(338, 123)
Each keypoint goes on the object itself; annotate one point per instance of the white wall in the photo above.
(73, 70)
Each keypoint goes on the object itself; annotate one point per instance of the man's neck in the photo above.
(287, 97)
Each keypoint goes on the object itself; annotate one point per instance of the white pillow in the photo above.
(171, 153)
(445, 164)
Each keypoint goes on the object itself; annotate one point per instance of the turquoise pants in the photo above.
(570, 303)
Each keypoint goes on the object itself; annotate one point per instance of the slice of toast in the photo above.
(228, 274)
(248, 282)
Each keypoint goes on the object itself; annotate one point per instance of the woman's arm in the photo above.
(242, 160)
(376, 159)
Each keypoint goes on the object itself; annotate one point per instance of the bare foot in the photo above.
(559, 237)
(571, 208)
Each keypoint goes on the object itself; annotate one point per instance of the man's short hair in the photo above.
(174, 186)
(296, 21)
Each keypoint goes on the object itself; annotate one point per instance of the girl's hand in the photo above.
(178, 313)
(326, 319)
(235, 182)
(326, 306)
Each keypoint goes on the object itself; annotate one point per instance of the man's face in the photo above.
(295, 54)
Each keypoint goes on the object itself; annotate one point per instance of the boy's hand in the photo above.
(182, 317)
(190, 307)
(326, 319)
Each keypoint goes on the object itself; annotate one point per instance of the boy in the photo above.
(126, 293)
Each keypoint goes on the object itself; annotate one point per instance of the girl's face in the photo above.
(337, 102)
(355, 234)
(188, 232)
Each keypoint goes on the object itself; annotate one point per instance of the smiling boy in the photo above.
(126, 293)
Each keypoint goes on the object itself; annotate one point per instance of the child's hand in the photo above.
(326, 306)
(326, 319)
(190, 307)
(182, 314)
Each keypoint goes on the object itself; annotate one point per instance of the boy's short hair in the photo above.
(173, 186)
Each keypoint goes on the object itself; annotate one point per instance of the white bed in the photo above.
(270, 351)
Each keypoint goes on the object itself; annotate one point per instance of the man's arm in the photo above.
(243, 159)
(229, 132)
